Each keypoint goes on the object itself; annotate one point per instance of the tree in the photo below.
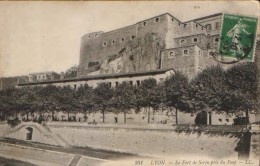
(71, 72)
(67, 101)
(149, 95)
(48, 99)
(241, 93)
(27, 102)
(176, 88)
(206, 89)
(85, 97)
(257, 63)
(8, 103)
(124, 98)
(103, 94)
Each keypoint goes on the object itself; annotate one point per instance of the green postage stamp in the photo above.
(238, 36)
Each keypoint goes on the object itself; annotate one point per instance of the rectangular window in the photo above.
(131, 82)
(110, 84)
(75, 86)
(209, 27)
(217, 25)
(116, 84)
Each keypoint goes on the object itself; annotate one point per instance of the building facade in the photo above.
(112, 79)
(12, 82)
(43, 76)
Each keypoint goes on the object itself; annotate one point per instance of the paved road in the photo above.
(84, 151)
(93, 156)
(11, 162)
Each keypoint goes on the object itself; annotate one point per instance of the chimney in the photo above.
(62, 75)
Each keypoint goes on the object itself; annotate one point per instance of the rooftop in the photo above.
(102, 76)
(44, 72)
(213, 15)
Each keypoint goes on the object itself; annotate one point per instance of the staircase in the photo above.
(45, 130)
(61, 141)
(75, 160)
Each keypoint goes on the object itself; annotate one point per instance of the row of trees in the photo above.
(214, 89)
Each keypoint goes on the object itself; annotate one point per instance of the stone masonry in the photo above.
(156, 43)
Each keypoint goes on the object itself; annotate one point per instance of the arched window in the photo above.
(185, 52)
(157, 19)
(144, 24)
(183, 41)
(172, 54)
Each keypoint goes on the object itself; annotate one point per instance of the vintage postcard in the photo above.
(134, 83)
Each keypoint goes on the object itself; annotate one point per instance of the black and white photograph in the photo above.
(133, 83)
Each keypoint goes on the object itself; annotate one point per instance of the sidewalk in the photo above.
(45, 155)
(172, 127)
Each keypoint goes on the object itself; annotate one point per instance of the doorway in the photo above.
(29, 133)
(201, 118)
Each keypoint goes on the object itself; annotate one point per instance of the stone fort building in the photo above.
(159, 42)
(153, 48)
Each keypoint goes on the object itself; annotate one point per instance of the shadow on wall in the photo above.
(201, 118)
(243, 146)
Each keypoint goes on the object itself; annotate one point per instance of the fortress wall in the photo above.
(89, 45)
(186, 29)
(202, 41)
(174, 58)
(151, 26)
(117, 39)
(214, 41)
(213, 21)
(96, 47)
(106, 44)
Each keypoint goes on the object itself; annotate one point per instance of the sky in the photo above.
(45, 36)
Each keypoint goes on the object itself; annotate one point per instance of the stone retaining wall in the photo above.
(150, 141)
